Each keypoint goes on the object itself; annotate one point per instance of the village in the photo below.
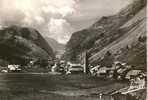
(119, 71)
(73, 50)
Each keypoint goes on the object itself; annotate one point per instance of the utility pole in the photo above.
(86, 67)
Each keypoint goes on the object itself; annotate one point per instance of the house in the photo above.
(3, 69)
(94, 70)
(103, 71)
(14, 68)
(132, 73)
(138, 81)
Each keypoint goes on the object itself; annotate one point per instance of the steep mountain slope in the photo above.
(57, 47)
(113, 34)
(128, 40)
(20, 44)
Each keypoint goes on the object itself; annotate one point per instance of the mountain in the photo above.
(118, 37)
(55, 45)
(21, 44)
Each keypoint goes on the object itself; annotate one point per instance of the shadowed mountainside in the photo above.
(21, 44)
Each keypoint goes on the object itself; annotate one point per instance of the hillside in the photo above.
(123, 46)
(122, 35)
(21, 44)
(55, 45)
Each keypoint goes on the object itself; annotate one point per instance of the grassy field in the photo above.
(54, 87)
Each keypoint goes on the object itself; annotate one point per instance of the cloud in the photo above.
(89, 11)
(61, 29)
(39, 13)
(55, 18)
(62, 7)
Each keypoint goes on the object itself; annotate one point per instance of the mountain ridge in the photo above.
(108, 31)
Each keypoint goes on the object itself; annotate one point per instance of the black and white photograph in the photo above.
(73, 50)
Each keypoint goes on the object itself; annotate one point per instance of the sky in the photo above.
(57, 19)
